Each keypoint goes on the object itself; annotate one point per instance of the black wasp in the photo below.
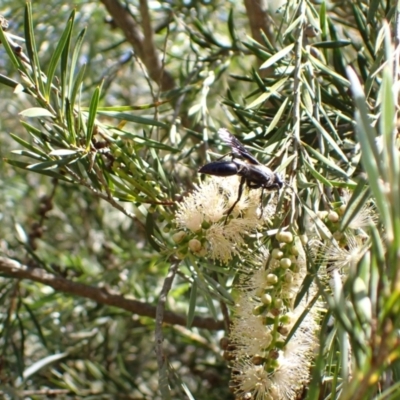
(252, 172)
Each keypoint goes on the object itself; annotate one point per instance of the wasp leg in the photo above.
(261, 203)
(225, 155)
(242, 181)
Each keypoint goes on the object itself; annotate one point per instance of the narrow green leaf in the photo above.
(278, 115)
(133, 108)
(210, 304)
(208, 36)
(260, 99)
(302, 316)
(31, 48)
(332, 44)
(146, 142)
(195, 109)
(160, 169)
(65, 38)
(192, 303)
(293, 25)
(372, 10)
(140, 186)
(5, 80)
(389, 137)
(25, 166)
(92, 116)
(257, 49)
(72, 87)
(362, 27)
(370, 156)
(29, 154)
(304, 289)
(35, 132)
(258, 81)
(226, 296)
(323, 230)
(64, 70)
(53, 164)
(335, 76)
(317, 175)
(70, 122)
(326, 161)
(43, 362)
(133, 118)
(351, 185)
(328, 137)
(36, 112)
(187, 390)
(77, 86)
(271, 92)
(15, 60)
(322, 20)
(36, 323)
(150, 227)
(267, 43)
(231, 27)
(28, 146)
(277, 56)
(285, 162)
(63, 152)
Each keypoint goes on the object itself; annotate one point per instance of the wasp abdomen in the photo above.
(220, 168)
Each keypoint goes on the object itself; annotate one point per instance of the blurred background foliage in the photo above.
(93, 173)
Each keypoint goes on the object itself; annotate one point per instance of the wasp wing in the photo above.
(237, 148)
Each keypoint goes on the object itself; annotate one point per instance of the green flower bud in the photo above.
(178, 236)
(288, 278)
(277, 254)
(195, 245)
(304, 239)
(333, 216)
(286, 319)
(285, 237)
(272, 279)
(258, 310)
(285, 263)
(278, 303)
(266, 299)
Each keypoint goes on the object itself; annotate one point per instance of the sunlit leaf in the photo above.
(36, 112)
(278, 56)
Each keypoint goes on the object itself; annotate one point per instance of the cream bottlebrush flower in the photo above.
(249, 379)
(295, 359)
(343, 257)
(262, 369)
(365, 216)
(293, 363)
(248, 332)
(207, 203)
(189, 216)
(203, 212)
